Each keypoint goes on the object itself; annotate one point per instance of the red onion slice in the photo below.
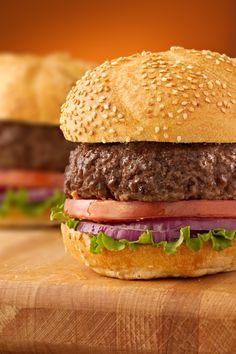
(162, 229)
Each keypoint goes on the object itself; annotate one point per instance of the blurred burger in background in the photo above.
(151, 186)
(33, 152)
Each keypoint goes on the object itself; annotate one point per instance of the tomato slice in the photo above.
(111, 210)
(28, 179)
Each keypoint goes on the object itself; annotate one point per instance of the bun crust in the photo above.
(16, 219)
(148, 262)
(32, 88)
(175, 96)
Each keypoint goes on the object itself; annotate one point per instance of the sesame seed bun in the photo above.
(175, 96)
(32, 88)
(148, 262)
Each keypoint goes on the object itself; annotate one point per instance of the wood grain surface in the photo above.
(50, 303)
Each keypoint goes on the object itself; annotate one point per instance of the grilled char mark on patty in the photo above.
(33, 146)
(152, 171)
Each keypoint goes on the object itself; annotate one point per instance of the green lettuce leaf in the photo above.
(19, 199)
(57, 214)
(219, 238)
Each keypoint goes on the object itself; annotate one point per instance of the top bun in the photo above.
(32, 88)
(176, 96)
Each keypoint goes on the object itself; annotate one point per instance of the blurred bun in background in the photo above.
(33, 151)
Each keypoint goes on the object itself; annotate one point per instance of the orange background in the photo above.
(96, 30)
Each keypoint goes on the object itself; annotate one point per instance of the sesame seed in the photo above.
(218, 82)
(140, 129)
(166, 136)
(219, 104)
(184, 103)
(179, 138)
(185, 115)
(159, 99)
(157, 129)
(120, 115)
(161, 106)
(224, 86)
(233, 101)
(226, 104)
(170, 115)
(165, 127)
(127, 140)
(175, 101)
(207, 100)
(223, 110)
(105, 116)
(210, 85)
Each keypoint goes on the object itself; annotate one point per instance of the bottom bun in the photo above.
(17, 219)
(147, 262)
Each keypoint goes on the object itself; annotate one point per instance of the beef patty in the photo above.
(35, 147)
(151, 171)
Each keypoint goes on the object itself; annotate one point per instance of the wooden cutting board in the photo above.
(50, 303)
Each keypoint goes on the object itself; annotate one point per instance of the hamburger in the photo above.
(151, 186)
(33, 151)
